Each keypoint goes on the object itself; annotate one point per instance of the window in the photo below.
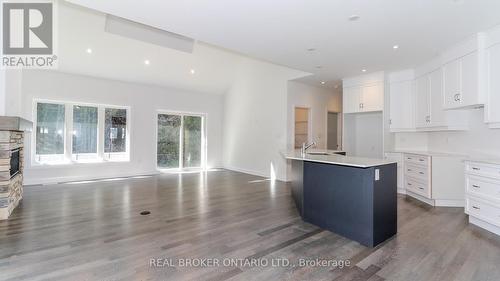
(50, 131)
(84, 131)
(76, 132)
(180, 141)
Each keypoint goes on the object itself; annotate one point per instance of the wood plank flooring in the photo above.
(93, 231)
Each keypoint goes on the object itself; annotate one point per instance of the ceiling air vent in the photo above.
(148, 34)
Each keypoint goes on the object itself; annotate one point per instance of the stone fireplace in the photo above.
(12, 130)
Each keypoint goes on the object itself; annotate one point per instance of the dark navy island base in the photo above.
(350, 201)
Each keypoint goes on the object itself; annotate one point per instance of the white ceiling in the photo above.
(120, 58)
(281, 31)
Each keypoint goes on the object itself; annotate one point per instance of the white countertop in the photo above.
(427, 153)
(336, 159)
(485, 160)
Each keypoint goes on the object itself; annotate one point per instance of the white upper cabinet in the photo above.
(492, 106)
(372, 97)
(422, 102)
(493, 80)
(352, 99)
(461, 82)
(429, 112)
(401, 101)
(363, 93)
(437, 113)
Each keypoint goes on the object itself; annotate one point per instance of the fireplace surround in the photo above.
(12, 130)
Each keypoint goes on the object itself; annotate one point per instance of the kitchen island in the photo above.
(351, 196)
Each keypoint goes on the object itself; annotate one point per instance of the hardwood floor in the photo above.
(94, 231)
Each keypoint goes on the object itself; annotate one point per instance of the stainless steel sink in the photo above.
(318, 153)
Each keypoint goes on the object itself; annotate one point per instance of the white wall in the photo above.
(320, 101)
(2, 92)
(144, 102)
(478, 141)
(255, 118)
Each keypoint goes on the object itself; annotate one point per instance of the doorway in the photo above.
(302, 126)
(333, 131)
(180, 141)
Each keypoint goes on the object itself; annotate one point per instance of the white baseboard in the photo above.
(56, 180)
(482, 224)
(420, 198)
(401, 191)
(449, 203)
(246, 171)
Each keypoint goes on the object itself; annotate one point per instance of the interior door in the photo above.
(332, 139)
(372, 97)
(422, 114)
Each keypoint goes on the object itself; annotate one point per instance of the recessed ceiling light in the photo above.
(89, 51)
(395, 47)
(147, 62)
(363, 70)
(354, 18)
(191, 71)
(323, 82)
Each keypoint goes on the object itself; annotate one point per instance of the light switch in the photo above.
(377, 174)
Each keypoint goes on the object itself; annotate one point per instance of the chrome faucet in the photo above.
(306, 147)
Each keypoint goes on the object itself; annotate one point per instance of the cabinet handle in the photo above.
(476, 168)
(475, 207)
(421, 188)
(421, 160)
(421, 173)
(476, 186)
(409, 184)
(409, 170)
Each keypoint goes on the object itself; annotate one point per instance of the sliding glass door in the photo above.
(180, 141)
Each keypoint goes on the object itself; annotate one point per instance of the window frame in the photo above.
(204, 150)
(68, 157)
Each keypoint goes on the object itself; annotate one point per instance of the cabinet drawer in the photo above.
(417, 159)
(415, 171)
(483, 169)
(483, 187)
(482, 210)
(417, 187)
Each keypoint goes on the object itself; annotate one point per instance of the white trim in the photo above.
(449, 203)
(246, 171)
(420, 198)
(57, 180)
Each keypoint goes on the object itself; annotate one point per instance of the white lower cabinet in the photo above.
(397, 157)
(482, 185)
(434, 178)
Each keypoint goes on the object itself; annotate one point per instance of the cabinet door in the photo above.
(438, 115)
(493, 102)
(452, 87)
(401, 105)
(469, 80)
(422, 91)
(351, 97)
(372, 97)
